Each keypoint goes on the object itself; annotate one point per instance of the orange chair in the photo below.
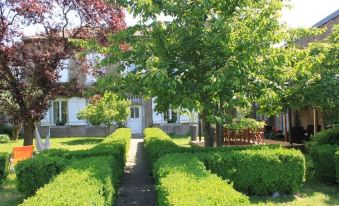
(21, 153)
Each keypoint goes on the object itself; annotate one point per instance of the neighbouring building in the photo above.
(304, 119)
(61, 117)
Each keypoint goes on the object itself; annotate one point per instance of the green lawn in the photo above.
(183, 141)
(70, 143)
(312, 193)
(9, 196)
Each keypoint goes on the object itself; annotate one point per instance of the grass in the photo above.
(9, 196)
(69, 143)
(183, 141)
(312, 193)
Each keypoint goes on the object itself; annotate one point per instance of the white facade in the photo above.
(173, 116)
(63, 111)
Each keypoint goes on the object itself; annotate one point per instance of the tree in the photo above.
(309, 76)
(106, 110)
(29, 67)
(208, 58)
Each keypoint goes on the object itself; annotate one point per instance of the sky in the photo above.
(304, 13)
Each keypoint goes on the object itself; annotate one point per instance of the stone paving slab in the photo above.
(137, 185)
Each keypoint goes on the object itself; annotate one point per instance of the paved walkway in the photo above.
(137, 185)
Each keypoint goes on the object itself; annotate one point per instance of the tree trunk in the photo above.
(15, 132)
(28, 131)
(206, 128)
(220, 135)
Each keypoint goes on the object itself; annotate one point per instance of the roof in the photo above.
(327, 19)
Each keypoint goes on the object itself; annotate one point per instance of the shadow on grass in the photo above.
(312, 193)
(86, 141)
(9, 196)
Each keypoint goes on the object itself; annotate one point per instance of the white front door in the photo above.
(134, 121)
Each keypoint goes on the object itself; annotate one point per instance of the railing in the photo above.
(135, 99)
(246, 136)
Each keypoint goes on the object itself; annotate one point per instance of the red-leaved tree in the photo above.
(30, 67)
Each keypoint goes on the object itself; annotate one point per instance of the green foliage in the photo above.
(245, 123)
(256, 169)
(183, 180)
(158, 143)
(6, 130)
(322, 148)
(259, 172)
(106, 110)
(210, 53)
(312, 79)
(4, 163)
(337, 165)
(36, 172)
(89, 181)
(4, 138)
(323, 157)
(329, 136)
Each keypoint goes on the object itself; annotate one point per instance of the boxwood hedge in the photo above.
(259, 172)
(324, 162)
(337, 164)
(34, 173)
(182, 179)
(4, 161)
(158, 144)
(252, 169)
(88, 181)
(322, 148)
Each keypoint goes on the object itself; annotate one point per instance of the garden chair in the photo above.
(20, 153)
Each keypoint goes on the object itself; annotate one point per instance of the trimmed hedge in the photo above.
(329, 136)
(322, 148)
(158, 144)
(337, 164)
(256, 170)
(4, 161)
(183, 180)
(34, 173)
(89, 181)
(324, 162)
(259, 172)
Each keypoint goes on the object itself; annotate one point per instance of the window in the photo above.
(134, 112)
(170, 116)
(60, 112)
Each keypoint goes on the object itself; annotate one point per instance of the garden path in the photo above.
(137, 185)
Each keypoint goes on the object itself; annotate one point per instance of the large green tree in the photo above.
(209, 57)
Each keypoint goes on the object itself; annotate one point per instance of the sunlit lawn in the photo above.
(70, 143)
(9, 196)
(183, 141)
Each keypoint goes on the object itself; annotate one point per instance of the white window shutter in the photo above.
(75, 104)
